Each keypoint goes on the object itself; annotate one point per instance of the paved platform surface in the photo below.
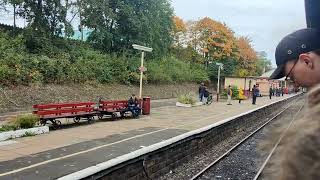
(68, 150)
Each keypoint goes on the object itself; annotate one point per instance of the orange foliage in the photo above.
(179, 29)
(247, 57)
(216, 37)
(217, 40)
(179, 25)
(246, 52)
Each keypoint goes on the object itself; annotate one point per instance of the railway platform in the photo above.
(66, 151)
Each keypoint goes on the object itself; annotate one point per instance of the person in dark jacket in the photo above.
(273, 91)
(270, 92)
(133, 105)
(205, 95)
(202, 89)
(255, 94)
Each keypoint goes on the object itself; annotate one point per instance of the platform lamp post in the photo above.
(220, 67)
(142, 69)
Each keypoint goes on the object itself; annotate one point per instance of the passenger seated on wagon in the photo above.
(133, 105)
(98, 105)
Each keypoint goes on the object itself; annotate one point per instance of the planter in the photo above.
(23, 132)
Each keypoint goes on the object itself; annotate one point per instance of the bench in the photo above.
(77, 111)
(112, 108)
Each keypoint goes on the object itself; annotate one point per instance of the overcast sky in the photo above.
(264, 21)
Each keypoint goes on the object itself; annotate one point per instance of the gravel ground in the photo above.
(248, 157)
(240, 164)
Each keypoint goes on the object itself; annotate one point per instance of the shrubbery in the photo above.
(26, 121)
(73, 62)
(235, 92)
(171, 70)
(21, 122)
(187, 99)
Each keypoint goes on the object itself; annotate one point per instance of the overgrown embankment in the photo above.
(61, 61)
(62, 70)
(22, 98)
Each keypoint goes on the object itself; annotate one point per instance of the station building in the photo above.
(263, 82)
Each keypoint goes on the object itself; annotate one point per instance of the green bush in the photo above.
(6, 74)
(157, 74)
(27, 121)
(186, 99)
(170, 69)
(25, 60)
(235, 92)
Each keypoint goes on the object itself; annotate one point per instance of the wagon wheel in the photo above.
(43, 122)
(57, 123)
(76, 119)
(122, 114)
(114, 116)
(90, 119)
(100, 116)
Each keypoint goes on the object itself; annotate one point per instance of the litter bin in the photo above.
(146, 105)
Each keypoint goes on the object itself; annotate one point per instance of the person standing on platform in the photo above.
(273, 91)
(255, 93)
(270, 92)
(229, 94)
(201, 91)
(205, 95)
(241, 95)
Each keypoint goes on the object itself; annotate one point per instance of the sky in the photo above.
(265, 22)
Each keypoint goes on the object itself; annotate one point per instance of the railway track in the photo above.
(210, 171)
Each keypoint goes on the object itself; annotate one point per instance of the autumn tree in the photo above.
(247, 57)
(215, 38)
(179, 25)
(192, 35)
(179, 30)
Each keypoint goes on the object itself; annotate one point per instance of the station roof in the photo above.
(268, 74)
